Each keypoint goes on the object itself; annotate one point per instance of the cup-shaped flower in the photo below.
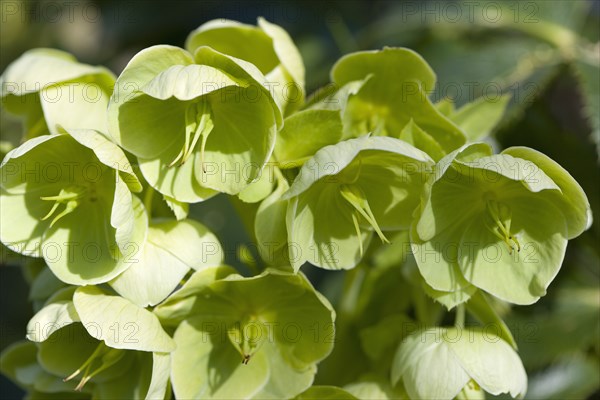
(499, 222)
(258, 337)
(347, 191)
(394, 93)
(49, 87)
(439, 363)
(268, 46)
(89, 341)
(198, 124)
(68, 198)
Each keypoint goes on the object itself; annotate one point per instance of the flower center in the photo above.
(70, 196)
(498, 221)
(101, 359)
(355, 196)
(198, 124)
(247, 338)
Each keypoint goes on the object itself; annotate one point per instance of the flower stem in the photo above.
(459, 320)
(148, 200)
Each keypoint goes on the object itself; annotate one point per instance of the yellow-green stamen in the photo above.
(70, 197)
(199, 124)
(498, 222)
(104, 356)
(355, 196)
(247, 338)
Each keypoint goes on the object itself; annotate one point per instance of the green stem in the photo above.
(459, 320)
(148, 200)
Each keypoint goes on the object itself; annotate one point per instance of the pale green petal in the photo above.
(41, 67)
(18, 362)
(147, 127)
(320, 230)
(575, 205)
(124, 216)
(286, 51)
(245, 74)
(422, 140)
(304, 133)
(451, 201)
(171, 249)
(428, 367)
(140, 70)
(395, 94)
(284, 380)
(161, 368)
(182, 303)
(330, 160)
(88, 253)
(108, 154)
(375, 387)
(479, 118)
(177, 182)
(232, 38)
(490, 361)
(137, 328)
(270, 227)
(21, 229)
(450, 299)
(437, 260)
(507, 166)
(187, 82)
(519, 277)
(67, 349)
(57, 313)
(180, 209)
(260, 188)
(206, 366)
(79, 104)
(325, 393)
(356, 66)
(237, 147)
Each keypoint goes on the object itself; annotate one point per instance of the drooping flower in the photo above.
(393, 92)
(199, 124)
(236, 337)
(95, 343)
(347, 191)
(67, 198)
(498, 222)
(441, 363)
(268, 46)
(49, 87)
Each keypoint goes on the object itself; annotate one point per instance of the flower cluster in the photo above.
(132, 300)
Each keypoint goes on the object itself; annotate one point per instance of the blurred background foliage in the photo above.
(545, 53)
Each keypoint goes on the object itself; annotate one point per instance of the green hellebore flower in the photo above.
(268, 46)
(49, 88)
(498, 222)
(89, 341)
(394, 92)
(347, 191)
(258, 337)
(198, 124)
(442, 363)
(67, 198)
